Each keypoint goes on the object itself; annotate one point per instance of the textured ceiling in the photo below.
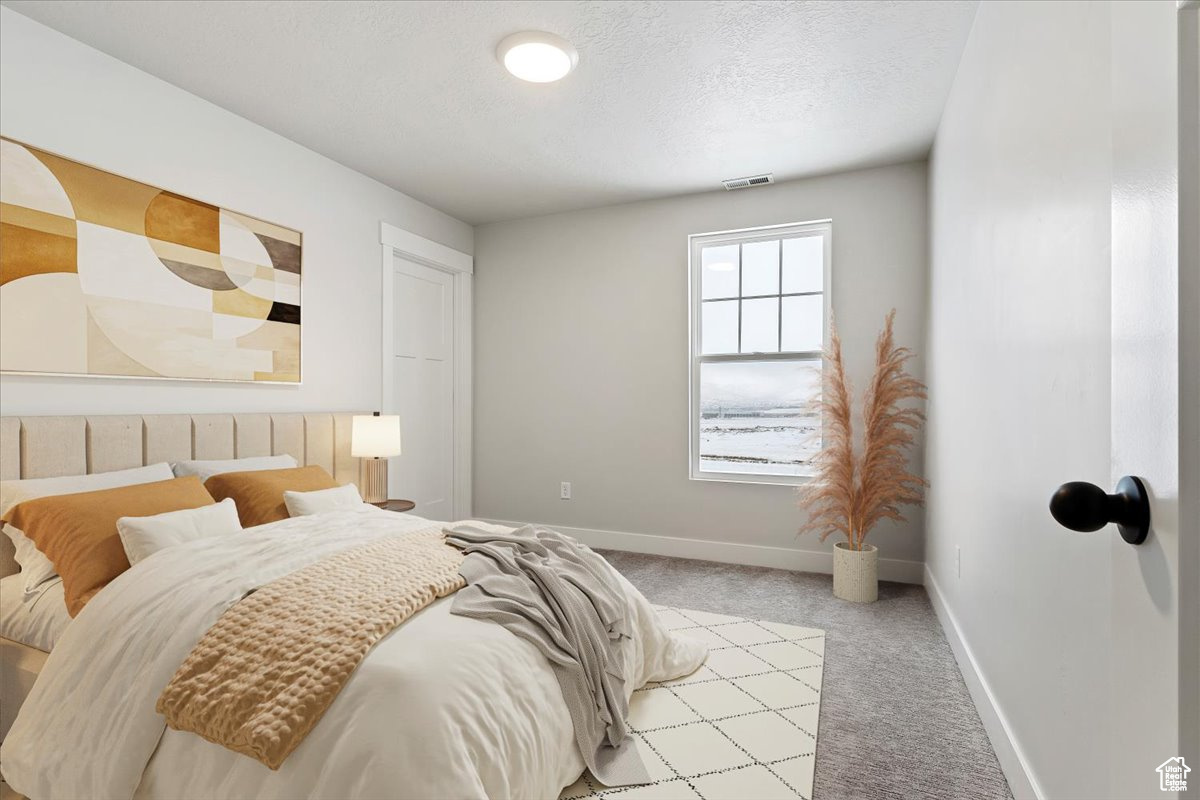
(669, 97)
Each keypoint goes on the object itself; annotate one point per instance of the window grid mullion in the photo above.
(794, 355)
(759, 297)
(739, 318)
(779, 252)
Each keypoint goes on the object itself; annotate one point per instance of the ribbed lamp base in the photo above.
(373, 479)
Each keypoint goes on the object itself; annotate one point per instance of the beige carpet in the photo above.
(742, 726)
(897, 721)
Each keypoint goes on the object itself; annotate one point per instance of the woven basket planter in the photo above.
(856, 573)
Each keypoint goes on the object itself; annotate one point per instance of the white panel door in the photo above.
(423, 390)
(1152, 694)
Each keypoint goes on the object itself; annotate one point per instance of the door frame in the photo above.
(461, 266)
(1189, 376)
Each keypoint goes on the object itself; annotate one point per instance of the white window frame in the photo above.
(698, 241)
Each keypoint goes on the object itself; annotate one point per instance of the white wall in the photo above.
(1018, 363)
(581, 361)
(60, 95)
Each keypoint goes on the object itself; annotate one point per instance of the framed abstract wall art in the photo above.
(104, 276)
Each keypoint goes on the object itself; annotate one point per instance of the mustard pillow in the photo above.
(259, 494)
(78, 532)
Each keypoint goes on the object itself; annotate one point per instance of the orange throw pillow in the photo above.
(259, 494)
(78, 532)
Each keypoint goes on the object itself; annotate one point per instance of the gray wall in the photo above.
(581, 354)
(1019, 353)
(1054, 355)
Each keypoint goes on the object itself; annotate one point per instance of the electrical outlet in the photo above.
(958, 560)
(564, 491)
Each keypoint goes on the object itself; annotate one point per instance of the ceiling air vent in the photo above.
(746, 183)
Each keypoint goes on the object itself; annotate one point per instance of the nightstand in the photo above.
(396, 505)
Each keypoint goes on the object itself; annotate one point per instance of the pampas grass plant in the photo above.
(852, 489)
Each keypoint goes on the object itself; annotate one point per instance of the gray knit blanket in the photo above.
(565, 600)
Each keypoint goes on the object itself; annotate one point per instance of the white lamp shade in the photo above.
(375, 436)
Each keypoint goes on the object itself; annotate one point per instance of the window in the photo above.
(759, 302)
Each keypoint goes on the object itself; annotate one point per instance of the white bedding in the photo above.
(444, 707)
(36, 618)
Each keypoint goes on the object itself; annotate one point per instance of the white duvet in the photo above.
(444, 707)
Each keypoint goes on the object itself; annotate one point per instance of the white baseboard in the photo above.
(754, 555)
(1021, 780)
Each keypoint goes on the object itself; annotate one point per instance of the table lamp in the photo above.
(374, 439)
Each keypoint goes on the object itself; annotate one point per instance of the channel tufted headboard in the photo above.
(47, 447)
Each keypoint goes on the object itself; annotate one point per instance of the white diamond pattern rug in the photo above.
(742, 726)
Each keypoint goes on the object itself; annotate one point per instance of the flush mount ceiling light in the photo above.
(537, 56)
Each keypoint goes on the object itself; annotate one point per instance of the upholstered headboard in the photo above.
(47, 447)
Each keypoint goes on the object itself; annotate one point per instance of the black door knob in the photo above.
(1086, 507)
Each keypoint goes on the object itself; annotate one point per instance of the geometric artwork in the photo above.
(104, 276)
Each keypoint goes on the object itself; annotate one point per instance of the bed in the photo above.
(34, 620)
(444, 706)
(52, 446)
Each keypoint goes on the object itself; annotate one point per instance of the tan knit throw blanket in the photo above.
(263, 675)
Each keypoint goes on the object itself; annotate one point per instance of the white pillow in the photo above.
(144, 536)
(35, 567)
(301, 504)
(206, 469)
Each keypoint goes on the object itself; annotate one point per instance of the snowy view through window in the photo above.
(758, 299)
(753, 416)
